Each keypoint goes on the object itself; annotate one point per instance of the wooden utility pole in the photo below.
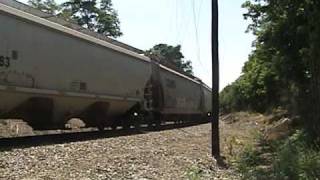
(215, 83)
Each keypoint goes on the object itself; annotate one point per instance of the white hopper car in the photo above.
(50, 73)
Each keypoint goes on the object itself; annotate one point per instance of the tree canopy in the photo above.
(284, 68)
(47, 6)
(171, 55)
(98, 16)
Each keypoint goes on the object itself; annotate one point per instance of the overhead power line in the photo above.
(196, 23)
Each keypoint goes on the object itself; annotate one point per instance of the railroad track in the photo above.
(7, 144)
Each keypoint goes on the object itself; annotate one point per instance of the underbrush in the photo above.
(194, 173)
(295, 157)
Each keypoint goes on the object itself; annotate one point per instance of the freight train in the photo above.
(52, 71)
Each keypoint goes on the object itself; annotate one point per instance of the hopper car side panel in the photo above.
(207, 99)
(181, 95)
(41, 58)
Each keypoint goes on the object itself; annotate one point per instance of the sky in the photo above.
(145, 23)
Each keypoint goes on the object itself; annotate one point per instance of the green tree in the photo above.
(171, 55)
(231, 99)
(291, 29)
(284, 68)
(47, 6)
(91, 14)
(96, 16)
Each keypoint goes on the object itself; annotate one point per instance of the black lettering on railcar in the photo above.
(1, 61)
(7, 62)
(4, 61)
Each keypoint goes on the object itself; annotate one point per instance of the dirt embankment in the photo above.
(238, 130)
(241, 129)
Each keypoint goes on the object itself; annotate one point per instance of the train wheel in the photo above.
(150, 124)
(101, 127)
(114, 126)
(157, 120)
(38, 112)
(137, 120)
(126, 126)
(98, 114)
(149, 119)
(137, 124)
(158, 125)
(100, 119)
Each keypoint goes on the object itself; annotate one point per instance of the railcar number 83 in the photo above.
(4, 61)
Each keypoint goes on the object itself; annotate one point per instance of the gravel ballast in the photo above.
(171, 154)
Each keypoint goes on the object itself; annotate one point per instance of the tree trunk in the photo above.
(313, 114)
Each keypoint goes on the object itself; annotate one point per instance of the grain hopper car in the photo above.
(51, 71)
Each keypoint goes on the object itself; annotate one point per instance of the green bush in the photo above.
(297, 159)
(194, 173)
(294, 159)
(247, 163)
